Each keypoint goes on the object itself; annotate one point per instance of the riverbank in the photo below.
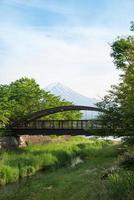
(97, 177)
(24, 162)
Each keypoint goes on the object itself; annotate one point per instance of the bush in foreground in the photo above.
(120, 185)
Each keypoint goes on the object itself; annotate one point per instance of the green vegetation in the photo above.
(120, 183)
(24, 162)
(119, 102)
(101, 176)
(119, 117)
(24, 96)
(107, 171)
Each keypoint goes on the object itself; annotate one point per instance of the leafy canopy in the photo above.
(120, 100)
(24, 96)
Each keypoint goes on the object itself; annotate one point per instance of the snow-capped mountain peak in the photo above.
(68, 94)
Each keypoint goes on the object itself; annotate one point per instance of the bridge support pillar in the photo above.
(9, 142)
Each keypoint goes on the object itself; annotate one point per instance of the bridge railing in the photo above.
(59, 124)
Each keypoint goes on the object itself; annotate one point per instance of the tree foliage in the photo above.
(24, 96)
(119, 102)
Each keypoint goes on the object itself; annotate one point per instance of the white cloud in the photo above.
(77, 57)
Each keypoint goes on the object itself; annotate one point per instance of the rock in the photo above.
(9, 142)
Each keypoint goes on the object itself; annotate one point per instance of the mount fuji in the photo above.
(68, 94)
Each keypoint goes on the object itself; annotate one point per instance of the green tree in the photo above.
(24, 96)
(4, 105)
(119, 103)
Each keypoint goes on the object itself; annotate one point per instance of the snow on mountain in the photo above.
(68, 94)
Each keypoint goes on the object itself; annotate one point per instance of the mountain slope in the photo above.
(68, 94)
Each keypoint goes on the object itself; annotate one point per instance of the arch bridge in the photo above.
(32, 125)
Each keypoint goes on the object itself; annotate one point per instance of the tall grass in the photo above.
(26, 161)
(120, 185)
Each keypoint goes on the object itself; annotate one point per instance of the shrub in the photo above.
(46, 160)
(128, 140)
(126, 161)
(8, 174)
(25, 171)
(121, 185)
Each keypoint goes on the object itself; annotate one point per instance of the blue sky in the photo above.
(63, 41)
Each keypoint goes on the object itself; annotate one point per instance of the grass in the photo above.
(121, 185)
(62, 182)
(25, 162)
